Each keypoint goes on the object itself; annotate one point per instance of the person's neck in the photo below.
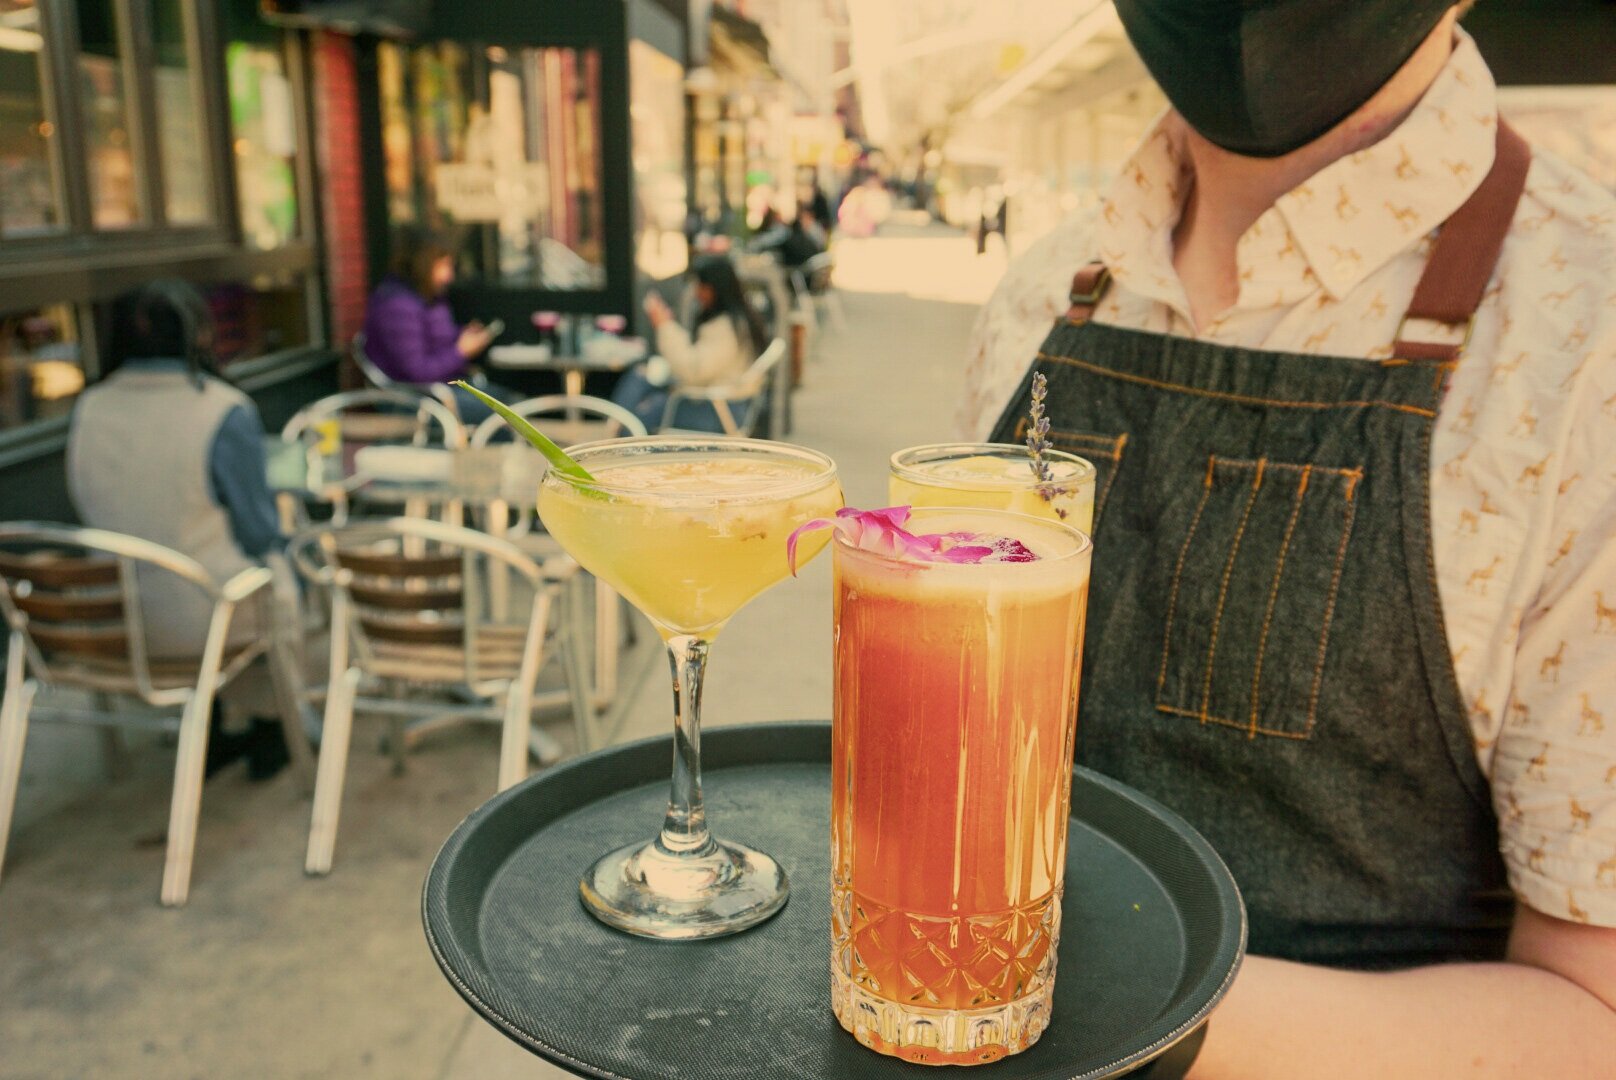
(1229, 192)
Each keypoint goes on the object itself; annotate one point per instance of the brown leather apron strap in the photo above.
(1466, 253)
(1088, 287)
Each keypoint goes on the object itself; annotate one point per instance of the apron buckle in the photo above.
(1405, 349)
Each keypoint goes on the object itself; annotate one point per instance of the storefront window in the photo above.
(109, 134)
(439, 75)
(41, 367)
(657, 108)
(264, 131)
(397, 146)
(179, 119)
(258, 317)
(30, 199)
(515, 153)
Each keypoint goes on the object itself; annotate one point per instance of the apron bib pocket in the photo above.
(1247, 623)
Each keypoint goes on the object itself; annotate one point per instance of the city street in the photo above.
(270, 974)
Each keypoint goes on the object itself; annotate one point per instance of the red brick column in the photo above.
(336, 118)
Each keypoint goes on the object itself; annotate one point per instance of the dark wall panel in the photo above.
(1547, 42)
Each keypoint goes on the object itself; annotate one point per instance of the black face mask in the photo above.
(1263, 77)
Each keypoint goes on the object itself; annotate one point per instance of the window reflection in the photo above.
(29, 191)
(41, 366)
(108, 134)
(257, 317)
(507, 143)
(657, 109)
(179, 121)
(264, 130)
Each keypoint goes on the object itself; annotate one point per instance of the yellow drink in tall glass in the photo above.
(689, 539)
(994, 476)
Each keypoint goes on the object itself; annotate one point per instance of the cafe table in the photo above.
(572, 369)
(1153, 928)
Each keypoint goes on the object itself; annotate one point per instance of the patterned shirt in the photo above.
(1523, 483)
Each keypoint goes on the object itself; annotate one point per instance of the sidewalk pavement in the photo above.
(267, 974)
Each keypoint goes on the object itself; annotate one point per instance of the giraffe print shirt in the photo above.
(1523, 485)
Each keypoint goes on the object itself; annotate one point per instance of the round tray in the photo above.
(1152, 928)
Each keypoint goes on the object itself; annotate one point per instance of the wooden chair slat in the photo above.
(70, 607)
(75, 642)
(407, 599)
(56, 571)
(399, 566)
(413, 633)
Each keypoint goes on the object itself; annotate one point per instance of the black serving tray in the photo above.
(1152, 929)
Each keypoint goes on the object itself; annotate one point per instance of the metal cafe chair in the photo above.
(812, 284)
(380, 380)
(596, 418)
(409, 614)
(749, 390)
(373, 417)
(72, 601)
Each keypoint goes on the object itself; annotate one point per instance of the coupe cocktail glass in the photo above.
(956, 701)
(994, 476)
(689, 530)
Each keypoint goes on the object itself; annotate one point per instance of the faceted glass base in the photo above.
(721, 888)
(940, 1036)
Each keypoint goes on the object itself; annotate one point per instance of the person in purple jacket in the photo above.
(411, 334)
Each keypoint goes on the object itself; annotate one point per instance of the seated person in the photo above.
(729, 335)
(410, 333)
(792, 244)
(163, 449)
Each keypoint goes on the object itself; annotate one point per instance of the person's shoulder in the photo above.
(1560, 262)
(1037, 282)
(1567, 208)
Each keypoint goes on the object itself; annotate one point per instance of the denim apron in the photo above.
(1266, 651)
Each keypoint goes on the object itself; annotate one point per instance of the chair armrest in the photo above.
(245, 584)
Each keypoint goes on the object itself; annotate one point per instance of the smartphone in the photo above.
(495, 328)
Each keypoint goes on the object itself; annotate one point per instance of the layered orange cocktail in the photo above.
(955, 709)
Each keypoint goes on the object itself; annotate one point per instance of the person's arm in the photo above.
(414, 342)
(237, 468)
(1548, 1012)
(714, 355)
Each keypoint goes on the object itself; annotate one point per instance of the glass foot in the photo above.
(648, 890)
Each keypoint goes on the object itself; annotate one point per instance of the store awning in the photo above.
(740, 45)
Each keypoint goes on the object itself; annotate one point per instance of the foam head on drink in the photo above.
(954, 720)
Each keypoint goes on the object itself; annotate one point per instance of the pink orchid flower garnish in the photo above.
(882, 532)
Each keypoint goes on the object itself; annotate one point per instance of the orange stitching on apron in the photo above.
(1109, 446)
(1329, 614)
(1191, 714)
(1172, 599)
(1223, 588)
(1243, 399)
(1273, 597)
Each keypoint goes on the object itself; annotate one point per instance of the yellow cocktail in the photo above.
(689, 530)
(689, 538)
(994, 476)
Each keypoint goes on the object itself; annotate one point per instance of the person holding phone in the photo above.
(728, 334)
(410, 333)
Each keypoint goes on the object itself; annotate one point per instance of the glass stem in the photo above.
(684, 830)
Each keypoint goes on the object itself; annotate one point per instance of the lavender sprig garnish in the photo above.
(1038, 445)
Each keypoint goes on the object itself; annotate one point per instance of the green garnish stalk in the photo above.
(556, 456)
(1038, 444)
